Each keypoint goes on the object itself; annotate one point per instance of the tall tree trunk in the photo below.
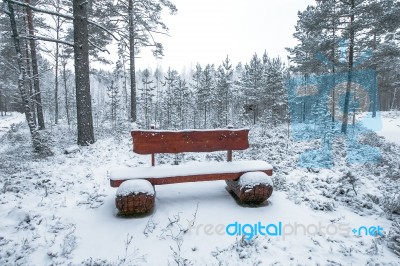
(35, 69)
(392, 106)
(64, 64)
(157, 76)
(31, 91)
(145, 105)
(349, 70)
(36, 140)
(132, 60)
(205, 115)
(333, 70)
(82, 81)
(29, 81)
(375, 96)
(125, 86)
(56, 87)
(56, 68)
(121, 57)
(1, 101)
(5, 103)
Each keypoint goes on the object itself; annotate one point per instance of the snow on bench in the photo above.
(168, 174)
(136, 186)
(252, 179)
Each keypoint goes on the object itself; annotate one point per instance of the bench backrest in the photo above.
(159, 141)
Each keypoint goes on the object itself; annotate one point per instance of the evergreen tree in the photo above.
(113, 95)
(82, 82)
(35, 67)
(196, 88)
(170, 84)
(137, 23)
(206, 92)
(252, 83)
(224, 94)
(147, 95)
(157, 77)
(366, 24)
(275, 89)
(182, 95)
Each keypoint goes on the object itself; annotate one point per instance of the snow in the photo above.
(195, 168)
(8, 120)
(61, 210)
(386, 124)
(390, 127)
(135, 187)
(252, 179)
(72, 149)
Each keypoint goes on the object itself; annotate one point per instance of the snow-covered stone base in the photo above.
(135, 197)
(252, 188)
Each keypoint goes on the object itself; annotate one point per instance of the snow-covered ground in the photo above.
(60, 210)
(391, 126)
(8, 120)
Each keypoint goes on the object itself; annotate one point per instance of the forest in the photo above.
(43, 46)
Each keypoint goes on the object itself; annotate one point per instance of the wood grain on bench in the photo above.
(153, 141)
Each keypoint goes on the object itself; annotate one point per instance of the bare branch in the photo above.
(99, 48)
(44, 11)
(41, 10)
(103, 28)
(41, 38)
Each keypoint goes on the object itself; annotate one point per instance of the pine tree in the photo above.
(113, 93)
(366, 24)
(147, 95)
(239, 96)
(82, 82)
(8, 75)
(205, 93)
(196, 88)
(157, 78)
(275, 89)
(35, 67)
(170, 83)
(121, 66)
(137, 23)
(252, 82)
(224, 94)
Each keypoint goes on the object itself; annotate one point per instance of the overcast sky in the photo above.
(205, 31)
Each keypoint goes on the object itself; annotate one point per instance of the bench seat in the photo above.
(189, 172)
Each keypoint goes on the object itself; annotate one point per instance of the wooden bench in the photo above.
(248, 180)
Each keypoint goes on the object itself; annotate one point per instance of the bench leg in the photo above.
(134, 204)
(253, 194)
(131, 199)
